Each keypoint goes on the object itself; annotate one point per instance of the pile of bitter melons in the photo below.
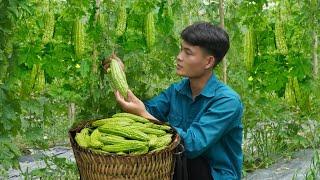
(124, 133)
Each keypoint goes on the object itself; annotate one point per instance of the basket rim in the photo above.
(77, 127)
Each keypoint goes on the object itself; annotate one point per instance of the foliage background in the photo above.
(37, 114)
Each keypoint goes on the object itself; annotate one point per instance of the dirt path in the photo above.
(284, 170)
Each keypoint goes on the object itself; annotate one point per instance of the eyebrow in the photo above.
(185, 48)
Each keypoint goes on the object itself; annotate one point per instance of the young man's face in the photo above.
(192, 61)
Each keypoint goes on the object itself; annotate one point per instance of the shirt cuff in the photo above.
(181, 133)
(147, 108)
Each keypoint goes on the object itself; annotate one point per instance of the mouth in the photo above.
(179, 66)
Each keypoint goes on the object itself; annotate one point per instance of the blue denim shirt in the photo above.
(210, 125)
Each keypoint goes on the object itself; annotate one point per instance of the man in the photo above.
(205, 112)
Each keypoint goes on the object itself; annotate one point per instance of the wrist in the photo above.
(147, 115)
(144, 114)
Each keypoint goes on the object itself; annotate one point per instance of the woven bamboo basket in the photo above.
(92, 165)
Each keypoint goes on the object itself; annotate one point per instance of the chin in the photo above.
(179, 73)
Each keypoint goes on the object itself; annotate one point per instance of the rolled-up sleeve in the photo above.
(219, 118)
(159, 106)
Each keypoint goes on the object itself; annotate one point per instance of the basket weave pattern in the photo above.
(92, 165)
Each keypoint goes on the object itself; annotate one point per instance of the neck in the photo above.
(198, 83)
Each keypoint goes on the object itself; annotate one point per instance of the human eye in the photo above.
(188, 52)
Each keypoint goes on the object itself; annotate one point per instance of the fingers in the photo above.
(131, 96)
(125, 105)
(119, 98)
(117, 95)
(130, 93)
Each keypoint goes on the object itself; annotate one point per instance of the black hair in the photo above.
(211, 38)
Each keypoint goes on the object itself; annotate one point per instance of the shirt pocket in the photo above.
(175, 119)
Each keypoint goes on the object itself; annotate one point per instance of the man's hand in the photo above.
(133, 105)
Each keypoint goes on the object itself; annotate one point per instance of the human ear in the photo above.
(210, 62)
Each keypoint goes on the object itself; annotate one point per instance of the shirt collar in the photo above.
(183, 87)
(208, 91)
